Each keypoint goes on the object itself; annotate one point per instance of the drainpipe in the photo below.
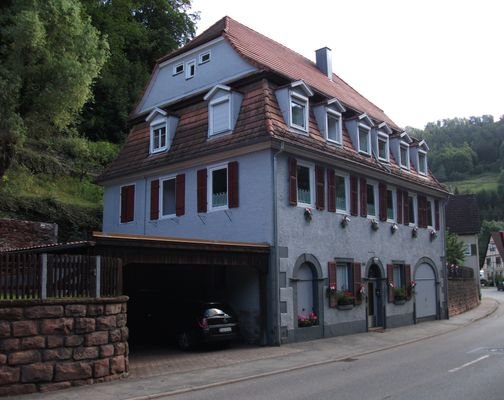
(443, 264)
(275, 274)
(145, 207)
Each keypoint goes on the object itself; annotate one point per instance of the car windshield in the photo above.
(213, 312)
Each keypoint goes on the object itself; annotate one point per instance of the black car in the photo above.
(500, 285)
(205, 322)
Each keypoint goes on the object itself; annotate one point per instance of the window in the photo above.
(412, 209)
(422, 162)
(371, 200)
(168, 198)
(404, 155)
(299, 112)
(497, 260)
(488, 261)
(391, 206)
(364, 139)
(218, 188)
(344, 277)
(383, 147)
(304, 185)
(178, 69)
(399, 275)
(492, 247)
(190, 69)
(127, 203)
(220, 115)
(341, 194)
(204, 57)
(333, 127)
(430, 213)
(159, 138)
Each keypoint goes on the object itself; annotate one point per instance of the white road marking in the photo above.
(469, 363)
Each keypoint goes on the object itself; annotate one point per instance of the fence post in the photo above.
(43, 277)
(98, 276)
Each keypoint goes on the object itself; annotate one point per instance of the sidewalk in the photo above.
(153, 377)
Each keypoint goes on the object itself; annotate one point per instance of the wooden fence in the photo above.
(41, 276)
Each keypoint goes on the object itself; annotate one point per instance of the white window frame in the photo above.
(217, 101)
(311, 169)
(399, 269)
(339, 126)
(158, 124)
(368, 129)
(210, 187)
(206, 53)
(415, 209)
(298, 98)
(348, 277)
(394, 204)
(161, 196)
(404, 165)
(347, 193)
(376, 202)
(424, 155)
(176, 66)
(433, 213)
(188, 65)
(382, 136)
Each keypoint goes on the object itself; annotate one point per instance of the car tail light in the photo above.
(203, 323)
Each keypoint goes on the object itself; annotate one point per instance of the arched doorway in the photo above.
(425, 292)
(306, 290)
(375, 297)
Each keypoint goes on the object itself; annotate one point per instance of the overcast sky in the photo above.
(419, 61)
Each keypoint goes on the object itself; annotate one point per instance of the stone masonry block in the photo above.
(118, 365)
(121, 320)
(37, 373)
(85, 353)
(115, 335)
(33, 342)
(9, 375)
(94, 310)
(57, 326)
(124, 334)
(106, 323)
(21, 388)
(24, 328)
(97, 338)
(57, 354)
(24, 357)
(120, 349)
(5, 329)
(74, 340)
(106, 350)
(11, 314)
(9, 345)
(3, 359)
(55, 341)
(85, 325)
(72, 371)
(50, 387)
(112, 309)
(101, 368)
(75, 310)
(38, 312)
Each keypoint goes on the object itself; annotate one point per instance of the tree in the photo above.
(139, 32)
(49, 56)
(454, 249)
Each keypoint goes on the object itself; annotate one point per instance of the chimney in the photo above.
(324, 61)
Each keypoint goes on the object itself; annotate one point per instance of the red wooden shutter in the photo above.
(354, 196)
(233, 184)
(320, 184)
(154, 199)
(124, 202)
(127, 203)
(436, 210)
(357, 282)
(292, 181)
(422, 211)
(407, 278)
(331, 273)
(331, 190)
(382, 189)
(180, 194)
(400, 208)
(202, 191)
(390, 281)
(363, 197)
(406, 208)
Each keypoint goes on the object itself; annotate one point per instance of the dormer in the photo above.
(223, 109)
(329, 120)
(162, 130)
(295, 105)
(380, 138)
(400, 148)
(359, 129)
(418, 151)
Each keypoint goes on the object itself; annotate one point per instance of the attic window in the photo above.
(404, 155)
(159, 137)
(383, 147)
(422, 162)
(364, 139)
(204, 57)
(219, 115)
(190, 69)
(333, 127)
(299, 112)
(178, 69)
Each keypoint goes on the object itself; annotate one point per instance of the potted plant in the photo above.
(393, 228)
(433, 234)
(399, 296)
(374, 224)
(414, 232)
(306, 321)
(308, 215)
(345, 300)
(345, 221)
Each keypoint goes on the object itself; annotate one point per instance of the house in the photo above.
(463, 219)
(493, 268)
(241, 142)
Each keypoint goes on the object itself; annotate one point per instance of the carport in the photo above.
(161, 272)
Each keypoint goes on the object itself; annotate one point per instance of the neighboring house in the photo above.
(463, 219)
(240, 140)
(493, 268)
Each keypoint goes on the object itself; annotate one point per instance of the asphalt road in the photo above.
(465, 364)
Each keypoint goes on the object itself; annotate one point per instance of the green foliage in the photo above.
(454, 249)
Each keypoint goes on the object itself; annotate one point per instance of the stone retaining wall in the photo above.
(54, 344)
(463, 295)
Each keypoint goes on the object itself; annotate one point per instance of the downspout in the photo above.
(275, 276)
(443, 263)
(145, 207)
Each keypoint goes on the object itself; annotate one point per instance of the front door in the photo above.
(375, 297)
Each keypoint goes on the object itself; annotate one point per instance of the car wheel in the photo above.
(184, 341)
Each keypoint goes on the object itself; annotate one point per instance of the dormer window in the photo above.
(422, 162)
(404, 155)
(333, 126)
(383, 147)
(329, 119)
(364, 139)
(299, 111)
(162, 129)
(223, 108)
(158, 138)
(190, 69)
